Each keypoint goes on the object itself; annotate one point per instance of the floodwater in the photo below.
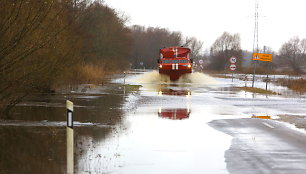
(148, 125)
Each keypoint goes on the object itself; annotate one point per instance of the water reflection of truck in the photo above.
(174, 92)
(174, 114)
(174, 62)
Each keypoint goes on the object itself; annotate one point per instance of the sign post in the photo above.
(267, 80)
(260, 57)
(254, 74)
(233, 66)
(69, 134)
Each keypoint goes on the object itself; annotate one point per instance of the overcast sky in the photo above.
(279, 20)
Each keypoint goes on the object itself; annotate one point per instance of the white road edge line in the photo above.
(268, 125)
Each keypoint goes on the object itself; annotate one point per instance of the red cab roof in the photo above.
(172, 52)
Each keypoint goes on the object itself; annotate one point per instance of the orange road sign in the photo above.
(262, 57)
(261, 117)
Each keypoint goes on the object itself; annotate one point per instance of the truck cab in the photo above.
(174, 62)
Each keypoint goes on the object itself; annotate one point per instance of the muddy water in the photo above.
(158, 127)
(33, 138)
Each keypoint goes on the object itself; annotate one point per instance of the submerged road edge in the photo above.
(258, 148)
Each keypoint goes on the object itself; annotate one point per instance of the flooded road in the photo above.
(199, 124)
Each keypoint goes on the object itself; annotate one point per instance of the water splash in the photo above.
(197, 78)
(155, 78)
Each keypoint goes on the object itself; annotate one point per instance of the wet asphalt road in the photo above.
(263, 146)
(197, 125)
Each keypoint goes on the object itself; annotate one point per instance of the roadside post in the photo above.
(124, 84)
(245, 80)
(69, 136)
(254, 71)
(141, 65)
(233, 66)
(267, 80)
(201, 65)
(124, 77)
(261, 57)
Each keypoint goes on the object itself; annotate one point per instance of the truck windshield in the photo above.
(184, 61)
(166, 61)
(175, 61)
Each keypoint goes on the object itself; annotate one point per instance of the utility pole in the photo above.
(255, 41)
(268, 70)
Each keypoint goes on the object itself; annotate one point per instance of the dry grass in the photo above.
(258, 90)
(81, 74)
(91, 73)
(294, 84)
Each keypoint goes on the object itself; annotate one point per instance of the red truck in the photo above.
(174, 62)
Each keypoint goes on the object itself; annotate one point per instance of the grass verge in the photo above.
(132, 88)
(258, 90)
(294, 84)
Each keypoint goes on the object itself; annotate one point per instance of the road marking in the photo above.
(268, 125)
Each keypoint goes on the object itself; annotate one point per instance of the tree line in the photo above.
(46, 45)
(147, 42)
(291, 57)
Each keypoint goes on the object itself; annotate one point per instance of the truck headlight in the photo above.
(189, 66)
(160, 66)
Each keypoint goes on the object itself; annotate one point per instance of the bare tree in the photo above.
(28, 29)
(224, 47)
(46, 43)
(195, 45)
(293, 53)
(148, 41)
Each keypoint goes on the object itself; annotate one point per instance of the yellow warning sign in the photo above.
(262, 57)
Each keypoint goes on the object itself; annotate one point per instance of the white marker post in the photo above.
(69, 132)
